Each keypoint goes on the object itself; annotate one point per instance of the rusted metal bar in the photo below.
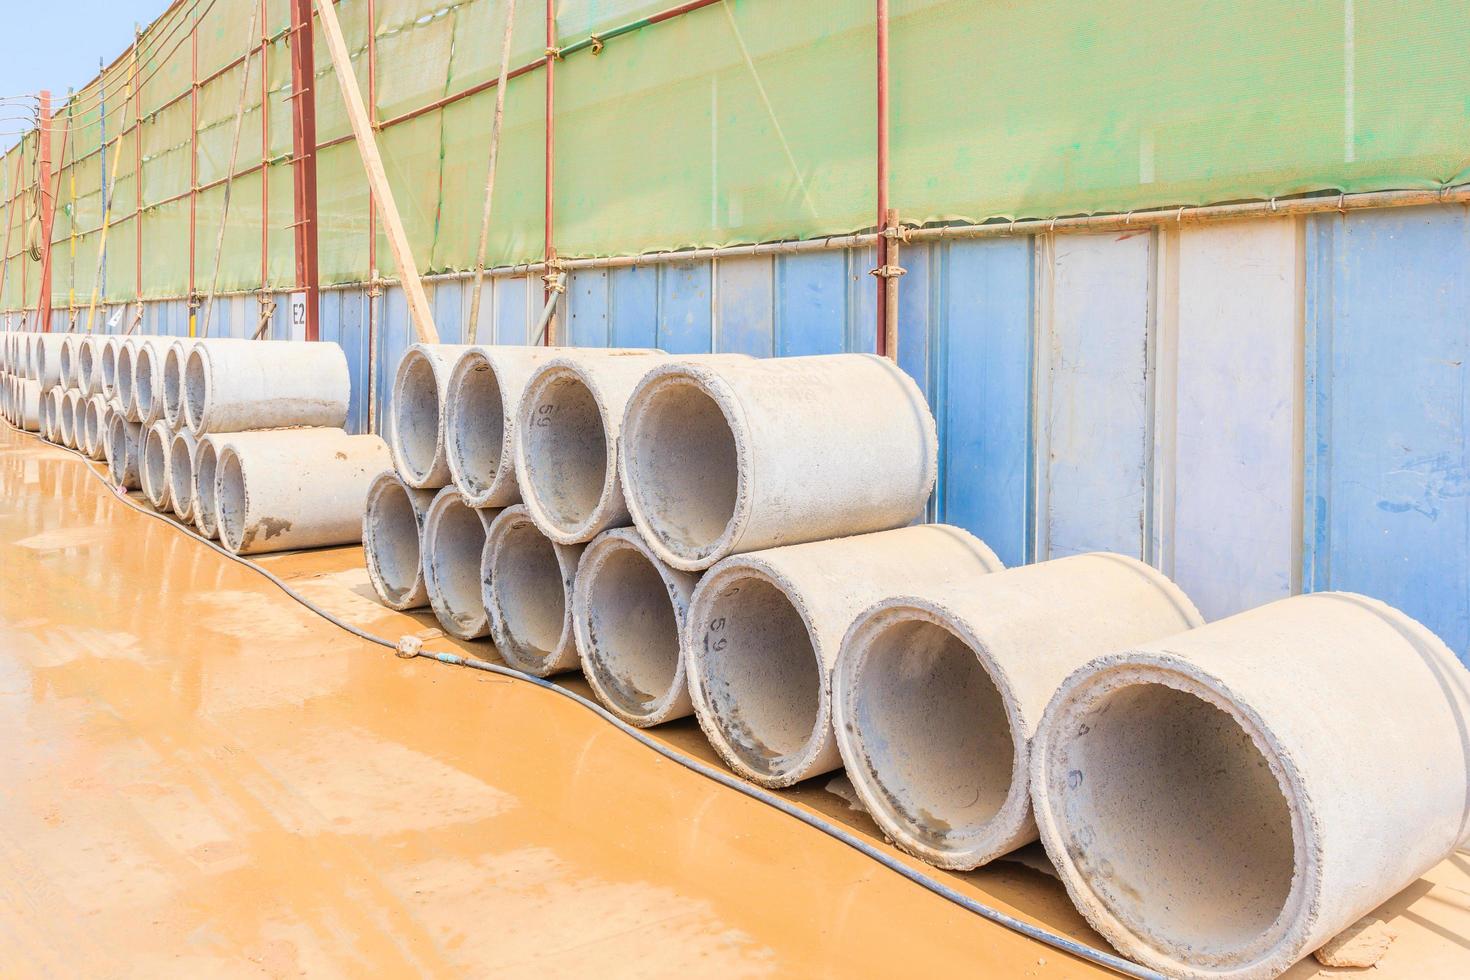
(46, 202)
(193, 171)
(303, 137)
(884, 270)
(548, 294)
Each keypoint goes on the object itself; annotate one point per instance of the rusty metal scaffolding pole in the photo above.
(303, 139)
(46, 205)
(193, 300)
(549, 293)
(887, 272)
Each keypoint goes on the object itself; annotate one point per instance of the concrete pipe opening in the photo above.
(526, 596)
(86, 363)
(123, 468)
(69, 419)
(454, 543)
(206, 518)
(417, 439)
(107, 361)
(684, 477)
(755, 679)
(173, 385)
(196, 386)
(145, 373)
(91, 438)
(929, 737)
(568, 468)
(229, 499)
(68, 365)
(475, 429)
(153, 468)
(1172, 809)
(181, 475)
(629, 614)
(391, 540)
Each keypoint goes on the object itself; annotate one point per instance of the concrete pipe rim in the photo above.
(181, 475)
(125, 357)
(197, 388)
(231, 500)
(206, 463)
(389, 519)
(153, 466)
(680, 409)
(563, 504)
(65, 364)
(145, 373)
(108, 363)
(85, 362)
(417, 440)
(479, 419)
(883, 746)
(68, 419)
(722, 701)
(458, 604)
(1263, 946)
(91, 424)
(666, 668)
(523, 574)
(118, 464)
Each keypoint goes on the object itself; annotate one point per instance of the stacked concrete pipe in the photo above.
(88, 365)
(71, 400)
(629, 610)
(728, 456)
(206, 460)
(527, 581)
(416, 425)
(1222, 802)
(66, 361)
(174, 360)
(147, 386)
(92, 439)
(181, 450)
(392, 536)
(453, 545)
(480, 408)
(153, 472)
(107, 364)
(109, 412)
(238, 385)
(937, 693)
(566, 443)
(765, 628)
(48, 359)
(26, 408)
(295, 488)
(127, 401)
(127, 438)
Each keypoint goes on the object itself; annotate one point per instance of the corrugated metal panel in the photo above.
(811, 304)
(685, 313)
(1387, 342)
(586, 305)
(1229, 369)
(1093, 393)
(745, 299)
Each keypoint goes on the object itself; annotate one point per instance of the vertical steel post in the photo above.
(303, 141)
(265, 147)
(71, 237)
(550, 189)
(137, 170)
(373, 289)
(193, 168)
(884, 271)
(46, 202)
(102, 153)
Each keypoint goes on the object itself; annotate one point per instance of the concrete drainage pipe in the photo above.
(453, 544)
(294, 488)
(48, 359)
(392, 539)
(765, 628)
(174, 359)
(527, 590)
(566, 444)
(71, 403)
(733, 456)
(629, 609)
(938, 694)
(153, 471)
(181, 451)
(416, 422)
(236, 385)
(51, 414)
(108, 414)
(66, 362)
(93, 439)
(206, 460)
(28, 404)
(1224, 802)
(127, 353)
(89, 367)
(126, 439)
(148, 357)
(107, 361)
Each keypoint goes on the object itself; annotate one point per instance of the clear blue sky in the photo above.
(55, 44)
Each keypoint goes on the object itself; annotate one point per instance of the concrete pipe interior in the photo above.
(108, 358)
(416, 416)
(205, 514)
(529, 594)
(760, 679)
(143, 379)
(392, 539)
(92, 428)
(66, 365)
(230, 501)
(196, 387)
(117, 465)
(153, 473)
(181, 477)
(685, 472)
(1175, 820)
(455, 550)
(173, 385)
(633, 631)
(477, 438)
(933, 738)
(566, 451)
(86, 361)
(68, 421)
(125, 376)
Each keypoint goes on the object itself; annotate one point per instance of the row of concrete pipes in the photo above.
(735, 538)
(243, 439)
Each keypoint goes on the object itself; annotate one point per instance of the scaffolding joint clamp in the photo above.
(553, 54)
(597, 44)
(888, 271)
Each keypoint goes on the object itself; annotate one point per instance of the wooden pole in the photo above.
(372, 162)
